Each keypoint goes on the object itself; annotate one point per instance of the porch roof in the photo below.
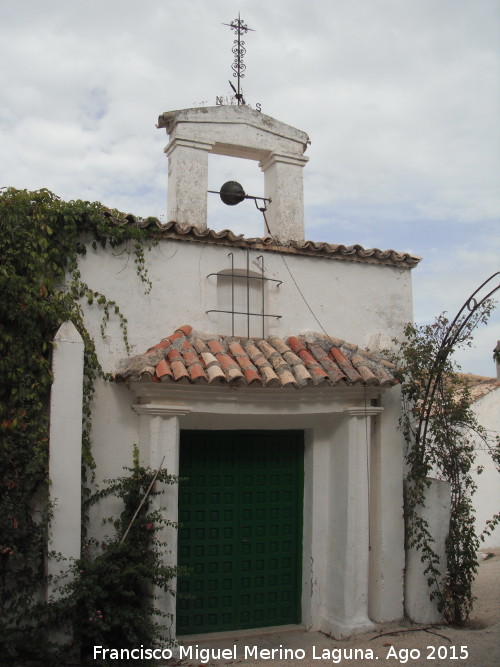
(310, 359)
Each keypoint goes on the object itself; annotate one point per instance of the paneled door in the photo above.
(240, 529)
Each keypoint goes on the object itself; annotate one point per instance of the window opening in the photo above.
(248, 277)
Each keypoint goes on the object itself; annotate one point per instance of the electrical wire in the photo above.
(263, 211)
(367, 437)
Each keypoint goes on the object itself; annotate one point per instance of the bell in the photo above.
(232, 193)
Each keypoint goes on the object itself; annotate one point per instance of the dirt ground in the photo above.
(476, 645)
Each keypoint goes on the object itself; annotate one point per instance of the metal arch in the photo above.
(472, 305)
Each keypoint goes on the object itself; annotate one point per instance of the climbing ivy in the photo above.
(41, 240)
(110, 599)
(441, 443)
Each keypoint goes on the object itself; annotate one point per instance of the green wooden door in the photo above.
(240, 532)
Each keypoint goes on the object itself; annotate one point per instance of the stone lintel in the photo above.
(234, 115)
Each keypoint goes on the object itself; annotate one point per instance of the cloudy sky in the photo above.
(400, 98)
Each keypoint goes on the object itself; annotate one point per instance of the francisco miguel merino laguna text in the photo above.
(336, 655)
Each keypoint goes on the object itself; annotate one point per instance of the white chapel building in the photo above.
(258, 375)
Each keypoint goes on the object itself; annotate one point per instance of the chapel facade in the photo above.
(259, 376)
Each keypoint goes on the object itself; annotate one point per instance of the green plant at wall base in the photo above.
(441, 443)
(110, 601)
(41, 240)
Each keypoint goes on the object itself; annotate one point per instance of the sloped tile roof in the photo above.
(313, 359)
(227, 237)
(479, 385)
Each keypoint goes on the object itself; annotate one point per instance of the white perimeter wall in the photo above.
(487, 496)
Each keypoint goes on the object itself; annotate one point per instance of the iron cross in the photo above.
(238, 66)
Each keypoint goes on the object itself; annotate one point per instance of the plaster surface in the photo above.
(338, 437)
(487, 497)
(436, 512)
(352, 550)
(65, 446)
(351, 300)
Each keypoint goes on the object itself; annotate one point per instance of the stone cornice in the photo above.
(168, 398)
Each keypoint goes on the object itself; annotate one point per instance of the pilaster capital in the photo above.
(364, 411)
(285, 158)
(187, 143)
(161, 410)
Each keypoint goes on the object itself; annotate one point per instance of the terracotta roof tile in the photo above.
(345, 365)
(481, 390)
(208, 359)
(252, 377)
(162, 345)
(182, 232)
(186, 330)
(199, 345)
(316, 373)
(163, 371)
(332, 370)
(302, 374)
(216, 375)
(226, 362)
(215, 346)
(297, 362)
(268, 350)
(179, 370)
(479, 385)
(276, 370)
(189, 353)
(256, 355)
(197, 374)
(249, 370)
(173, 355)
(148, 371)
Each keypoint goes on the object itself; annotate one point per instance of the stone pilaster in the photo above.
(350, 513)
(188, 182)
(160, 441)
(65, 448)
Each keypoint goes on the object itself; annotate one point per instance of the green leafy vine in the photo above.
(110, 599)
(442, 443)
(41, 240)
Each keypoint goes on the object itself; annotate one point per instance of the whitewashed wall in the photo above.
(352, 300)
(487, 496)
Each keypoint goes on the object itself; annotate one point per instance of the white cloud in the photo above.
(400, 99)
